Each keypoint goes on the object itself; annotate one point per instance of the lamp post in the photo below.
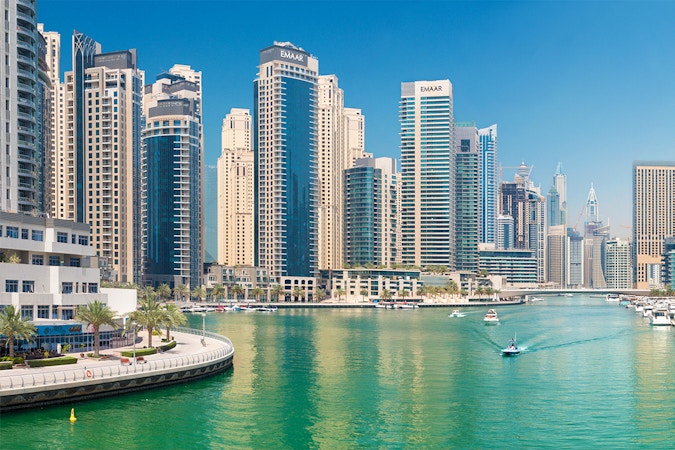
(133, 324)
(204, 329)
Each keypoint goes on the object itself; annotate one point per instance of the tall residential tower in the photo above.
(427, 176)
(285, 146)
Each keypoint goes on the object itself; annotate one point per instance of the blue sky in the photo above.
(586, 83)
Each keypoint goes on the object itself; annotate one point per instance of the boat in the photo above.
(568, 295)
(265, 309)
(491, 317)
(512, 349)
(456, 313)
(406, 305)
(536, 299)
(660, 317)
(612, 298)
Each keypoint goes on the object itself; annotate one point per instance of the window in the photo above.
(54, 260)
(62, 237)
(37, 260)
(43, 312)
(24, 233)
(11, 285)
(74, 262)
(37, 235)
(13, 232)
(84, 240)
(73, 239)
(66, 287)
(93, 288)
(28, 287)
(67, 314)
(27, 312)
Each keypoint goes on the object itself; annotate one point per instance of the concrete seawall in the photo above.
(189, 360)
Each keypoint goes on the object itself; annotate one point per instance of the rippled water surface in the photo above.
(591, 375)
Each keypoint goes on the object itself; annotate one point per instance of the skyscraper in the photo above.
(21, 149)
(285, 146)
(98, 176)
(236, 192)
(331, 162)
(427, 176)
(560, 184)
(172, 168)
(618, 264)
(653, 218)
(370, 212)
(557, 256)
(489, 183)
(467, 197)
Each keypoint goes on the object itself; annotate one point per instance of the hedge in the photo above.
(4, 365)
(168, 346)
(139, 352)
(52, 361)
(15, 360)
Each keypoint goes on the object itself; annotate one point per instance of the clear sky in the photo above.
(590, 84)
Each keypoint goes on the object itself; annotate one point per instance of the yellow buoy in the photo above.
(72, 415)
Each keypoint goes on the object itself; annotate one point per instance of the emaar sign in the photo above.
(294, 56)
(433, 89)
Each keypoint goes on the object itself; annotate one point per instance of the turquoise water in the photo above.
(591, 375)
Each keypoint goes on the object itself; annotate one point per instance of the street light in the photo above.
(204, 329)
(133, 324)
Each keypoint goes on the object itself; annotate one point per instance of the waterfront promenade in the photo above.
(22, 387)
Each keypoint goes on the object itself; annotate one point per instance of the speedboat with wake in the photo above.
(456, 313)
(512, 349)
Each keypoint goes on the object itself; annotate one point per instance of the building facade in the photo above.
(370, 213)
(427, 179)
(370, 284)
(519, 267)
(22, 97)
(172, 195)
(489, 184)
(98, 176)
(285, 145)
(653, 218)
(467, 197)
(618, 264)
(236, 190)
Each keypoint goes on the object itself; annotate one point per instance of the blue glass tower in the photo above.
(284, 141)
(489, 183)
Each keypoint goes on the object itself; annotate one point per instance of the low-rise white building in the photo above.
(48, 268)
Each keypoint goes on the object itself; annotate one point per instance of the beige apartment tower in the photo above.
(653, 218)
(236, 191)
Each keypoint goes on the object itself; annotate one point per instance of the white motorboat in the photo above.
(536, 299)
(491, 317)
(512, 349)
(659, 317)
(266, 309)
(456, 313)
(406, 305)
(647, 310)
(612, 298)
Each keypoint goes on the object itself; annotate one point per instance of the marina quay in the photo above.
(197, 354)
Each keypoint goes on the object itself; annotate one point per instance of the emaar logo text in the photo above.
(292, 56)
(431, 88)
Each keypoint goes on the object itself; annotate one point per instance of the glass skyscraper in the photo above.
(427, 174)
(171, 182)
(489, 184)
(285, 146)
(467, 197)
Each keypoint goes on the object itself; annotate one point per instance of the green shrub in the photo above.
(52, 361)
(18, 360)
(168, 346)
(4, 365)
(139, 352)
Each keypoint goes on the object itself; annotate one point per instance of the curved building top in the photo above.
(287, 52)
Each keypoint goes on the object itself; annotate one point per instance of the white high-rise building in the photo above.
(354, 136)
(489, 183)
(236, 191)
(618, 264)
(427, 178)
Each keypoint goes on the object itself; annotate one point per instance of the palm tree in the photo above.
(149, 314)
(218, 291)
(181, 292)
(145, 292)
(363, 293)
(96, 314)
(320, 295)
(173, 317)
(164, 292)
(452, 287)
(298, 293)
(237, 290)
(257, 292)
(13, 326)
(339, 292)
(385, 294)
(199, 293)
(403, 294)
(276, 291)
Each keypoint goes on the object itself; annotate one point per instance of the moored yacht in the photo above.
(491, 317)
(659, 317)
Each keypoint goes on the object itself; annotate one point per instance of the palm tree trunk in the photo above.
(168, 333)
(149, 337)
(11, 345)
(96, 342)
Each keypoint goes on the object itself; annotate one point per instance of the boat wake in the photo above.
(579, 342)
